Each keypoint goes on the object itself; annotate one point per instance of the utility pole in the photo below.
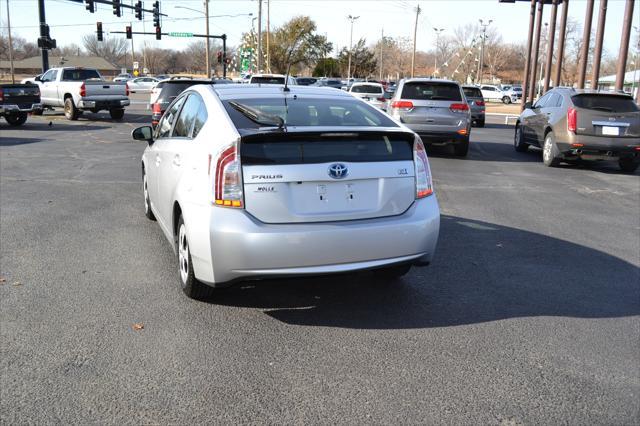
(624, 46)
(43, 24)
(206, 18)
(435, 59)
(484, 36)
(635, 65)
(259, 57)
(13, 77)
(584, 51)
(415, 33)
(597, 54)
(268, 31)
(352, 20)
(133, 56)
(381, 44)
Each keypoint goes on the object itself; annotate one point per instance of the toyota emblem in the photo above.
(338, 171)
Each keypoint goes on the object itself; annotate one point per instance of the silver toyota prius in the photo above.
(250, 182)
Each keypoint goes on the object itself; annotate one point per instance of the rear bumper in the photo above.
(103, 104)
(437, 138)
(14, 108)
(243, 247)
(599, 146)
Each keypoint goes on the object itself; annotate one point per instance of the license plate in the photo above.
(610, 131)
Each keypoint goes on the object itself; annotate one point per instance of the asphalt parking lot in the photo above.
(530, 313)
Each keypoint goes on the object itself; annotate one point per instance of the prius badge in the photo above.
(338, 171)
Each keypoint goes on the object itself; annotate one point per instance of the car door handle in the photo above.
(176, 161)
(158, 160)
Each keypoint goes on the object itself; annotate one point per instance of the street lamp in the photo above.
(484, 36)
(435, 60)
(352, 19)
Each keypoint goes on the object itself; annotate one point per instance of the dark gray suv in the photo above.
(437, 110)
(571, 125)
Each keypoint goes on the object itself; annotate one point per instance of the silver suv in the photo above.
(436, 110)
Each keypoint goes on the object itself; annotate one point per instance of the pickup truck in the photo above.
(17, 101)
(82, 89)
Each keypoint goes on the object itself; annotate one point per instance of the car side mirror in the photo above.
(37, 78)
(528, 105)
(144, 133)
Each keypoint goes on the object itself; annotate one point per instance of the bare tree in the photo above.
(113, 49)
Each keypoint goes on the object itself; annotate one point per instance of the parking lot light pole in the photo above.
(624, 46)
(484, 36)
(562, 34)
(415, 33)
(536, 50)
(550, 41)
(584, 51)
(435, 59)
(352, 19)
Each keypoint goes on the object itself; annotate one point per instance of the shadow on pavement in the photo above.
(56, 126)
(482, 272)
(4, 141)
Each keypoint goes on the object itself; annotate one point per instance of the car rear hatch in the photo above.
(23, 95)
(297, 177)
(608, 115)
(431, 104)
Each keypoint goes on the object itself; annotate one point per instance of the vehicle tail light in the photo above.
(381, 99)
(1, 94)
(462, 107)
(572, 119)
(156, 109)
(83, 90)
(126, 89)
(402, 104)
(424, 184)
(480, 103)
(228, 179)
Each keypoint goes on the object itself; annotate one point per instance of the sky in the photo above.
(69, 20)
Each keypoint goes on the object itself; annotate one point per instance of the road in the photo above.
(530, 313)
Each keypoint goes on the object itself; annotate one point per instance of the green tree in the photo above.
(327, 67)
(363, 60)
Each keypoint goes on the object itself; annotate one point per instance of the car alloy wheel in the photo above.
(183, 254)
(546, 150)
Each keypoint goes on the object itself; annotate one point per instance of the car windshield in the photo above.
(431, 91)
(80, 75)
(367, 88)
(267, 80)
(603, 102)
(300, 111)
(472, 92)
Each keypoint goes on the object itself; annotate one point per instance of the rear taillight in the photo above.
(462, 107)
(156, 109)
(1, 94)
(480, 103)
(83, 90)
(402, 104)
(126, 89)
(227, 182)
(382, 99)
(424, 184)
(572, 119)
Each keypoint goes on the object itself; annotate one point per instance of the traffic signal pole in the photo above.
(43, 24)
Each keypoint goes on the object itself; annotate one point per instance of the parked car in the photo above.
(494, 93)
(306, 81)
(82, 89)
(570, 125)
(476, 104)
(511, 90)
(142, 84)
(372, 93)
(436, 110)
(167, 90)
(17, 101)
(271, 79)
(123, 77)
(252, 182)
(336, 84)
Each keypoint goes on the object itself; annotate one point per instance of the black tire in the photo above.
(190, 285)
(627, 165)
(518, 140)
(70, 110)
(392, 273)
(506, 100)
(16, 120)
(147, 201)
(550, 154)
(461, 149)
(480, 123)
(116, 113)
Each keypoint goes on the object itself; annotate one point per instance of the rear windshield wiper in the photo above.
(258, 116)
(600, 108)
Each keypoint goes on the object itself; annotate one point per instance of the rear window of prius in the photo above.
(603, 102)
(300, 111)
(431, 91)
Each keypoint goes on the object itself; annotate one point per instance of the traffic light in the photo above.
(90, 5)
(158, 33)
(116, 8)
(99, 31)
(45, 41)
(219, 56)
(138, 10)
(156, 14)
(128, 31)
